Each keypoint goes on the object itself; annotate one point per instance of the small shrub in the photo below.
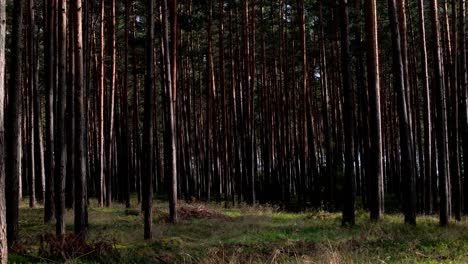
(132, 212)
(72, 247)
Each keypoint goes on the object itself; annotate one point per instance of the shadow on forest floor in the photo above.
(213, 234)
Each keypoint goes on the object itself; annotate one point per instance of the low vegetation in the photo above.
(210, 233)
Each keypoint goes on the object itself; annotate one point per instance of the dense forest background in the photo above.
(303, 104)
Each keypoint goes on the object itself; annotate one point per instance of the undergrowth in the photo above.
(210, 233)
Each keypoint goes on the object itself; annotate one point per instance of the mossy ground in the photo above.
(256, 235)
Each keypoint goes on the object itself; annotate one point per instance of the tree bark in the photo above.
(136, 123)
(111, 131)
(102, 158)
(81, 210)
(375, 127)
(3, 223)
(453, 121)
(348, 118)
(408, 180)
(441, 117)
(13, 130)
(125, 136)
(61, 147)
(172, 81)
(147, 158)
(427, 112)
(70, 116)
(325, 90)
(49, 62)
(31, 75)
(464, 95)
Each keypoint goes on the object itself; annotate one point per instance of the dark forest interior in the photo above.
(149, 116)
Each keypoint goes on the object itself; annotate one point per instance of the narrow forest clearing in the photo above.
(212, 234)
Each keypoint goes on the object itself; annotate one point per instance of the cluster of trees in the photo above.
(300, 103)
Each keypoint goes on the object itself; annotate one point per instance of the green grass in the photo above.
(258, 235)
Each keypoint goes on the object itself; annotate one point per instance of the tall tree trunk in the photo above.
(49, 62)
(305, 101)
(31, 68)
(446, 62)
(252, 150)
(13, 130)
(102, 159)
(325, 109)
(426, 112)
(348, 118)
(375, 127)
(147, 157)
(38, 134)
(60, 147)
(453, 122)
(3, 223)
(441, 120)
(463, 82)
(364, 116)
(125, 136)
(111, 139)
(245, 104)
(81, 207)
(210, 87)
(136, 122)
(222, 87)
(408, 181)
(172, 81)
(70, 117)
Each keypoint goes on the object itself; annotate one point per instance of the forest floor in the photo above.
(209, 233)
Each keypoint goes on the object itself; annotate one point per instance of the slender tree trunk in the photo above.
(172, 81)
(3, 223)
(136, 122)
(441, 120)
(61, 147)
(453, 114)
(29, 102)
(348, 118)
(70, 118)
(305, 102)
(463, 82)
(147, 158)
(38, 134)
(110, 139)
(222, 87)
(102, 160)
(49, 62)
(252, 150)
(364, 116)
(446, 47)
(125, 136)
(408, 181)
(375, 128)
(325, 109)
(13, 130)
(427, 112)
(80, 156)
(210, 88)
(213, 150)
